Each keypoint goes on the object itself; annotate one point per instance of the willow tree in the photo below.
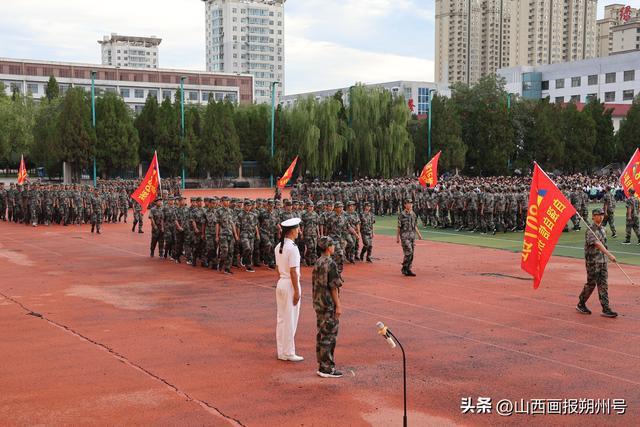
(332, 143)
(304, 135)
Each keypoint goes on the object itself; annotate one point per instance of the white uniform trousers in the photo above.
(287, 320)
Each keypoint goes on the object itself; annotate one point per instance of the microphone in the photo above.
(382, 330)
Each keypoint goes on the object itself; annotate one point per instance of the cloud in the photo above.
(324, 65)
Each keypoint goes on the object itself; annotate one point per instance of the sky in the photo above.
(328, 43)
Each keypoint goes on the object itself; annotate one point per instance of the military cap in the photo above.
(193, 199)
(248, 202)
(351, 203)
(339, 205)
(293, 222)
(207, 200)
(408, 201)
(215, 199)
(325, 242)
(597, 211)
(224, 198)
(271, 201)
(198, 199)
(328, 202)
(287, 202)
(367, 203)
(259, 200)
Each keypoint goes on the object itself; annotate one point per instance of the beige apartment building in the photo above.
(477, 37)
(618, 32)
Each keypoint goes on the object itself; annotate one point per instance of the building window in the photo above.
(125, 93)
(576, 81)
(593, 80)
(152, 93)
(205, 96)
(559, 99)
(629, 75)
(559, 83)
(193, 96)
(627, 95)
(610, 78)
(591, 97)
(609, 96)
(545, 85)
(575, 98)
(32, 88)
(139, 93)
(166, 94)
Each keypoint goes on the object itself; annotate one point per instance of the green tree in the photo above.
(47, 150)
(17, 119)
(147, 124)
(446, 134)
(605, 150)
(167, 139)
(76, 135)
(629, 133)
(52, 91)
(579, 135)
(117, 138)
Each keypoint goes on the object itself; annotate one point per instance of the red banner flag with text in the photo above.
(22, 172)
(548, 212)
(282, 182)
(148, 189)
(429, 175)
(630, 177)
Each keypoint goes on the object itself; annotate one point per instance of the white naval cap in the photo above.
(293, 222)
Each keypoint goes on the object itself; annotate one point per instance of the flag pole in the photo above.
(157, 166)
(594, 235)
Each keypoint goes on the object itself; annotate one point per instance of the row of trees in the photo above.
(477, 129)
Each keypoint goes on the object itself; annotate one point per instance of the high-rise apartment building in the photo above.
(618, 31)
(247, 36)
(502, 33)
(130, 51)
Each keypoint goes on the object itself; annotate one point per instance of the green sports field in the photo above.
(571, 244)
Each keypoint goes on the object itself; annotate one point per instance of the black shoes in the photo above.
(408, 273)
(582, 308)
(227, 271)
(151, 254)
(626, 242)
(333, 374)
(369, 260)
(607, 312)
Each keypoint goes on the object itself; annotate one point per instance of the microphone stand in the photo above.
(404, 374)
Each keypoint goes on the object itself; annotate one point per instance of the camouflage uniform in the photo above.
(137, 216)
(596, 263)
(310, 221)
(169, 217)
(226, 240)
(157, 234)
(488, 206)
(609, 212)
(367, 220)
(3, 203)
(632, 222)
(247, 223)
(197, 216)
(211, 246)
(96, 211)
(325, 278)
(407, 222)
(268, 221)
(335, 227)
(123, 201)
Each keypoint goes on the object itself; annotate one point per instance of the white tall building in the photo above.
(130, 51)
(247, 36)
(619, 30)
(477, 37)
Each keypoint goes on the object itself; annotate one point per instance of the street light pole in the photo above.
(273, 126)
(429, 91)
(182, 79)
(93, 119)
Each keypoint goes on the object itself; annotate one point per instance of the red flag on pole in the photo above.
(630, 177)
(148, 189)
(22, 172)
(548, 212)
(429, 175)
(282, 182)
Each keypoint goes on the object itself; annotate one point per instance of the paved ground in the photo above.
(95, 332)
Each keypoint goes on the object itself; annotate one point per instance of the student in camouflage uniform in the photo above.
(406, 233)
(326, 303)
(137, 216)
(248, 225)
(197, 221)
(96, 210)
(367, 220)
(486, 212)
(609, 211)
(268, 221)
(632, 204)
(211, 247)
(336, 227)
(157, 228)
(11, 202)
(353, 238)
(123, 203)
(169, 218)
(309, 229)
(181, 224)
(226, 235)
(596, 255)
(3, 202)
(575, 198)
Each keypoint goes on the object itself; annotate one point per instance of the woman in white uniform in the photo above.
(288, 290)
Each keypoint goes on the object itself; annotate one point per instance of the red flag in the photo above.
(630, 177)
(22, 172)
(288, 174)
(429, 175)
(148, 189)
(547, 215)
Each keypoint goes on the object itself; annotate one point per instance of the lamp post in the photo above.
(273, 126)
(93, 120)
(182, 79)
(429, 91)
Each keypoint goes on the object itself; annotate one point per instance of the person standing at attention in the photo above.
(288, 290)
